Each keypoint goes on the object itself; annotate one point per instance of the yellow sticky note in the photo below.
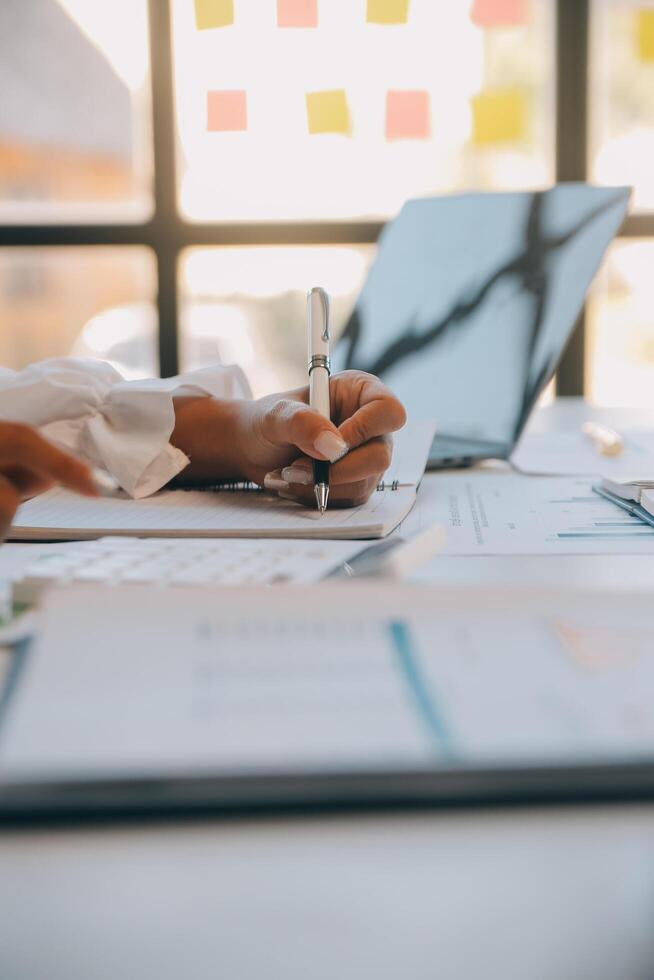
(213, 13)
(387, 11)
(645, 34)
(327, 112)
(499, 116)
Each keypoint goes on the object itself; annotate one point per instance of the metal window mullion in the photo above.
(638, 226)
(186, 234)
(572, 27)
(166, 239)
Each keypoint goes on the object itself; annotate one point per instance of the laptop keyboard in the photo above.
(191, 562)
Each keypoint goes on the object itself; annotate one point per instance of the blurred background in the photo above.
(175, 175)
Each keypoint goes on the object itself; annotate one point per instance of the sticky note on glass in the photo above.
(499, 13)
(387, 11)
(297, 13)
(645, 34)
(499, 116)
(227, 111)
(407, 115)
(327, 112)
(213, 13)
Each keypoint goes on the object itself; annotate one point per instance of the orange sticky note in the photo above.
(297, 13)
(645, 34)
(387, 11)
(499, 116)
(407, 115)
(327, 112)
(213, 13)
(227, 112)
(499, 13)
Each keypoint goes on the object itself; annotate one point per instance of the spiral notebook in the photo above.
(244, 512)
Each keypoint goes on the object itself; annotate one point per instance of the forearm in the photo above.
(210, 431)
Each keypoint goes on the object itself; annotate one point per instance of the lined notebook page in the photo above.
(60, 515)
(178, 513)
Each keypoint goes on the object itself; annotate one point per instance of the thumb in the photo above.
(291, 423)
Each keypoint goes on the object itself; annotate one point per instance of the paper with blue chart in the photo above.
(471, 300)
(387, 679)
(509, 514)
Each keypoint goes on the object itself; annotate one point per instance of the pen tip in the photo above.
(321, 491)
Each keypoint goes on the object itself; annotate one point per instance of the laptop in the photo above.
(470, 303)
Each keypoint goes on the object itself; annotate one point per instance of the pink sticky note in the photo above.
(227, 112)
(297, 13)
(407, 115)
(499, 13)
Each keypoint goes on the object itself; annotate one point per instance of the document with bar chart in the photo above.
(505, 514)
(264, 697)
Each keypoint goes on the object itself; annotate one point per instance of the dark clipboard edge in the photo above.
(239, 795)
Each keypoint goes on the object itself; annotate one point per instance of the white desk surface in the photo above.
(528, 894)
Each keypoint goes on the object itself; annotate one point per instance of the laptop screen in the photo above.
(472, 299)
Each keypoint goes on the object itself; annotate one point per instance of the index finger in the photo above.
(379, 412)
(22, 447)
(9, 501)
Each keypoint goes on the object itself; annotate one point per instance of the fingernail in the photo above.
(331, 445)
(297, 474)
(274, 481)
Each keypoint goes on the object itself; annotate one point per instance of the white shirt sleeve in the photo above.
(124, 426)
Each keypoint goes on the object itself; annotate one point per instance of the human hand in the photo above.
(272, 441)
(29, 464)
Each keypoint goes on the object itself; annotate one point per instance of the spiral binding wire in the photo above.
(247, 487)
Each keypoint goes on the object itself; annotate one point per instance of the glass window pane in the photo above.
(88, 302)
(459, 96)
(622, 96)
(620, 354)
(248, 306)
(74, 111)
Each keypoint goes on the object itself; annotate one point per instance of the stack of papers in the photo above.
(640, 491)
(636, 497)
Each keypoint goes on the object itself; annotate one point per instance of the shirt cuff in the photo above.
(129, 434)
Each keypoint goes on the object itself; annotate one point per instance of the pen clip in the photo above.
(324, 298)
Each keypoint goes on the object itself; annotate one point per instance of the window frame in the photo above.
(167, 233)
